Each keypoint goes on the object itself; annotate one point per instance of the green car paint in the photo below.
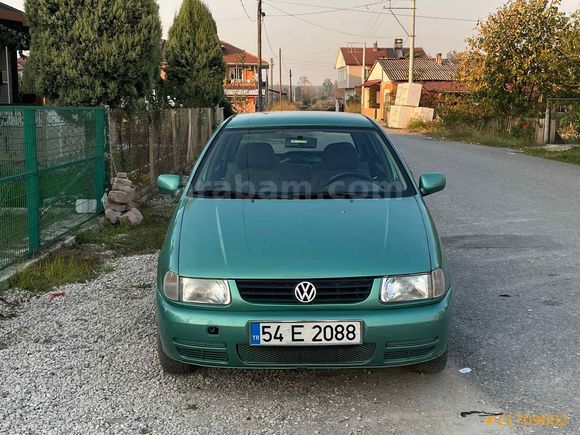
(237, 239)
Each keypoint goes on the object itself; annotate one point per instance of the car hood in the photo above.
(236, 239)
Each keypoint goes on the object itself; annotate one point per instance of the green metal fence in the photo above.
(52, 175)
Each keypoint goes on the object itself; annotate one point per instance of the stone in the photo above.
(122, 208)
(112, 215)
(127, 189)
(122, 175)
(121, 197)
(133, 216)
(121, 182)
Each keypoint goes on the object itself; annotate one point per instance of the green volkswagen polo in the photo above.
(301, 240)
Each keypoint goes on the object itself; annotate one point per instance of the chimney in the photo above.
(439, 59)
(399, 49)
(376, 46)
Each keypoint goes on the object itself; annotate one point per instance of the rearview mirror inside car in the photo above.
(432, 182)
(301, 142)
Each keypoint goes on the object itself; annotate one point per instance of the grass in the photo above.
(57, 269)
(570, 156)
(466, 133)
(128, 240)
(87, 259)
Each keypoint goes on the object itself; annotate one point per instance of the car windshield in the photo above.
(300, 163)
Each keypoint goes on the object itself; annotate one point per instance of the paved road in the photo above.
(86, 363)
(511, 227)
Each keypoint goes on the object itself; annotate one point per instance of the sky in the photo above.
(310, 41)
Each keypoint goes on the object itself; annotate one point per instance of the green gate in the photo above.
(52, 175)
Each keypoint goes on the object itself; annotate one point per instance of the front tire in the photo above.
(434, 366)
(169, 365)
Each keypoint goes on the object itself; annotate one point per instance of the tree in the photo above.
(305, 91)
(327, 88)
(196, 67)
(525, 52)
(105, 52)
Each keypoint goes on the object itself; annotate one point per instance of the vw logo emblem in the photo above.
(305, 292)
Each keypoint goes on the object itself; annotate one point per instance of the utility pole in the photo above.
(271, 80)
(259, 20)
(280, 70)
(412, 43)
(291, 92)
(364, 63)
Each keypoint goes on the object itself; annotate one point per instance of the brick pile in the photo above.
(120, 208)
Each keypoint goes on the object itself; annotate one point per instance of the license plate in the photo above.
(305, 333)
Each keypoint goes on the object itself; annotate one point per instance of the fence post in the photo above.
(100, 156)
(152, 146)
(31, 168)
(176, 167)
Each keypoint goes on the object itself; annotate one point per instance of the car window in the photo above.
(301, 163)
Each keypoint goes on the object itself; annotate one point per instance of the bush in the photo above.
(353, 105)
(283, 106)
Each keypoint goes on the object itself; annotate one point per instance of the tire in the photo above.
(170, 366)
(434, 366)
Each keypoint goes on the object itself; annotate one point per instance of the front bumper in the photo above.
(392, 336)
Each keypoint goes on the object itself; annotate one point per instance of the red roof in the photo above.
(444, 87)
(370, 83)
(354, 55)
(235, 56)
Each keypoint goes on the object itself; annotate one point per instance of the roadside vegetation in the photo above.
(85, 260)
(569, 156)
(464, 132)
(283, 106)
(522, 60)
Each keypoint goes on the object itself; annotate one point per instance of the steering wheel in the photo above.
(346, 174)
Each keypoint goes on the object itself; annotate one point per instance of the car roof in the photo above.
(299, 119)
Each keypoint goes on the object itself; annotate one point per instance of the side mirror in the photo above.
(170, 184)
(432, 182)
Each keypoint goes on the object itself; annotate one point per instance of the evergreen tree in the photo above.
(196, 67)
(93, 52)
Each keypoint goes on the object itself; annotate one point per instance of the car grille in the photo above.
(359, 354)
(328, 291)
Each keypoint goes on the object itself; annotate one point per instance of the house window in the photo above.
(236, 73)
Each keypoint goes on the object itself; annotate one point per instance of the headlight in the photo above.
(198, 291)
(413, 287)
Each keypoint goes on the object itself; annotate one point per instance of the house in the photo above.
(14, 38)
(379, 92)
(241, 82)
(350, 59)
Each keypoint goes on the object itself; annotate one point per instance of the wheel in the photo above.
(436, 365)
(169, 365)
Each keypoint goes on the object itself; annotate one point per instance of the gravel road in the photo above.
(86, 362)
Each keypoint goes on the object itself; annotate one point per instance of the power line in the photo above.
(330, 9)
(324, 27)
(246, 11)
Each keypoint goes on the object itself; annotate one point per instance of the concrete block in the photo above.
(409, 94)
(121, 197)
(122, 175)
(424, 114)
(133, 216)
(400, 116)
